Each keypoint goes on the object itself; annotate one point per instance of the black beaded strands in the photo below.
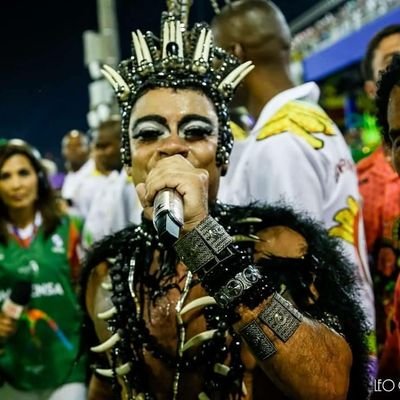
(321, 266)
(123, 351)
(135, 336)
(131, 278)
(132, 281)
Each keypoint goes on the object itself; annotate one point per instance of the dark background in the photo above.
(43, 80)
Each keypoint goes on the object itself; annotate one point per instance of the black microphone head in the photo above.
(168, 215)
(168, 230)
(21, 293)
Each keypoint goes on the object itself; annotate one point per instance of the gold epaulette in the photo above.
(301, 119)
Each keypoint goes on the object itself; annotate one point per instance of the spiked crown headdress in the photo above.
(180, 59)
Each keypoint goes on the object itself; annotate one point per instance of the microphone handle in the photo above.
(168, 215)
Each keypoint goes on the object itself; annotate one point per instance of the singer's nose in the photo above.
(173, 145)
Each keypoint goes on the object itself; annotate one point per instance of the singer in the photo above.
(40, 317)
(249, 302)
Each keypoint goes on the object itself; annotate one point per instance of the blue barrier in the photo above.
(346, 51)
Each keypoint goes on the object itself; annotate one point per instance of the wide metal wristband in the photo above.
(260, 344)
(281, 317)
(205, 246)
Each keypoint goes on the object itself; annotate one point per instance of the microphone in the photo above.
(168, 215)
(18, 299)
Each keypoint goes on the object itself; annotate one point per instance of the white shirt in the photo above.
(72, 181)
(308, 169)
(108, 204)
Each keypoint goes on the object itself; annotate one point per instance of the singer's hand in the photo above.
(176, 172)
(8, 327)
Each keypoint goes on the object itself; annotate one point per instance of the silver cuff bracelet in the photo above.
(203, 244)
(281, 317)
(259, 343)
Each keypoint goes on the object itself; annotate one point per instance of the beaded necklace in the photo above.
(128, 291)
(322, 266)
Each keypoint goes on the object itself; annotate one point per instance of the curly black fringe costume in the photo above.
(324, 265)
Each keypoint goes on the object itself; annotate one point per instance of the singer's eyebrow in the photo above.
(190, 117)
(152, 117)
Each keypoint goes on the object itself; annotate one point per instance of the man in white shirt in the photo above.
(105, 197)
(294, 153)
(75, 149)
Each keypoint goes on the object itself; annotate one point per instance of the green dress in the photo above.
(43, 354)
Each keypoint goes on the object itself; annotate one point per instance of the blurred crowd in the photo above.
(334, 26)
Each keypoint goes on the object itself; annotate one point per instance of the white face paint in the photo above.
(154, 127)
(165, 122)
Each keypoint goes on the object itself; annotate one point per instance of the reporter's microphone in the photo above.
(168, 215)
(18, 299)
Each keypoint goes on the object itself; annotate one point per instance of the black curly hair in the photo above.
(389, 78)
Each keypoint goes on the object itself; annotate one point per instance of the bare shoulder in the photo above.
(280, 241)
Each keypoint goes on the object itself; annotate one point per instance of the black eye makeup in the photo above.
(196, 129)
(149, 130)
(190, 127)
(149, 127)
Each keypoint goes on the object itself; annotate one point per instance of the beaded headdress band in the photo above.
(180, 59)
